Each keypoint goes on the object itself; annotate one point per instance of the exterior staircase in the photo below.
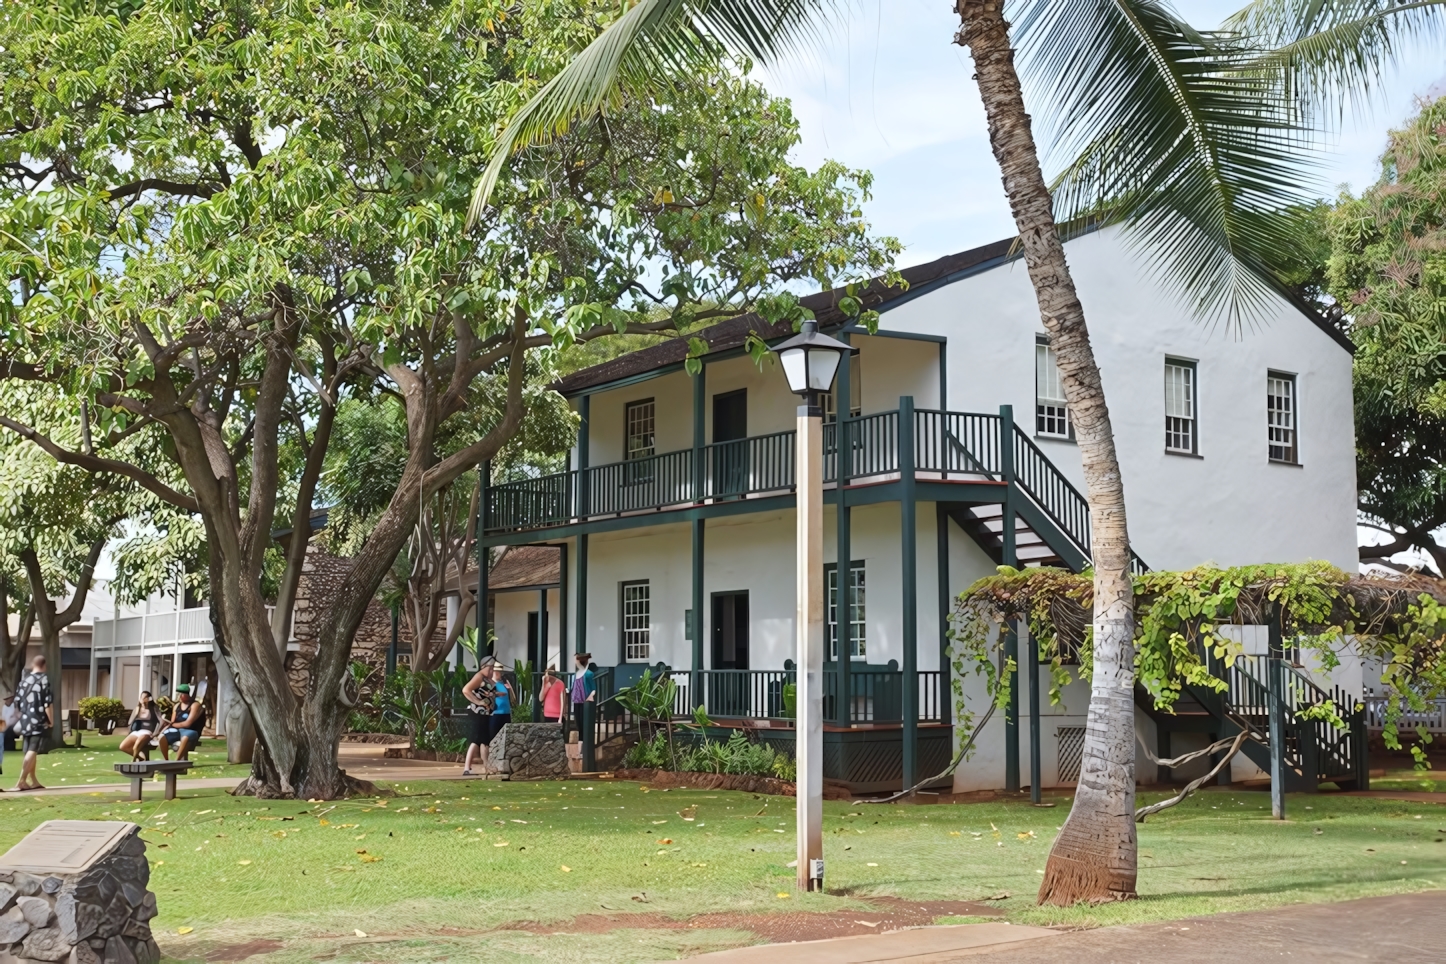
(1315, 751)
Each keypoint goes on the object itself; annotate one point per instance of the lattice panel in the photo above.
(1071, 751)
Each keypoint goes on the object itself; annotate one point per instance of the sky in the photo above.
(889, 91)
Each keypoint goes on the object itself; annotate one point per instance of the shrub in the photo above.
(98, 709)
(737, 755)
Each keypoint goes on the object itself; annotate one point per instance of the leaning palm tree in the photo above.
(1180, 135)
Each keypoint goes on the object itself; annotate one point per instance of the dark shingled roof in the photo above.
(733, 332)
(522, 567)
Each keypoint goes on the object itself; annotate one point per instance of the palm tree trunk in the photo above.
(1094, 856)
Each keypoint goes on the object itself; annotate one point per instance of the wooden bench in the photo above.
(142, 770)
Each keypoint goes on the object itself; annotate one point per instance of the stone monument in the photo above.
(76, 891)
(528, 751)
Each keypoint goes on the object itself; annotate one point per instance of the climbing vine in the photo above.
(1395, 623)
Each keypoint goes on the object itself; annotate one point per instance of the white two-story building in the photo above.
(675, 518)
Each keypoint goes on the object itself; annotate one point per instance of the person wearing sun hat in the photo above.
(187, 720)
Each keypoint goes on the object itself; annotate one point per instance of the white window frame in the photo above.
(1282, 411)
(858, 638)
(640, 422)
(1051, 413)
(635, 617)
(1182, 406)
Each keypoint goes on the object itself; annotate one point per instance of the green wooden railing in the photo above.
(947, 444)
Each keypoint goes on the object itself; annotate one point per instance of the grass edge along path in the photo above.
(423, 875)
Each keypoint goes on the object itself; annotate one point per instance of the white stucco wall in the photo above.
(510, 623)
(1229, 506)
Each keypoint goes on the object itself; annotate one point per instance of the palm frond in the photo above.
(652, 43)
(1331, 54)
(1166, 134)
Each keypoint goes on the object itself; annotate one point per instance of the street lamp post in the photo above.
(810, 361)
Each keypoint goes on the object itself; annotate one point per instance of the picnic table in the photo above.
(142, 770)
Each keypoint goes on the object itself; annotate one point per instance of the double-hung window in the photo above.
(1280, 429)
(637, 606)
(857, 648)
(1181, 430)
(1051, 416)
(638, 420)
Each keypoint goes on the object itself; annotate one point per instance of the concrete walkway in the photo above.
(917, 944)
(1403, 927)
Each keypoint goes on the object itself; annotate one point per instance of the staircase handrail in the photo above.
(1069, 503)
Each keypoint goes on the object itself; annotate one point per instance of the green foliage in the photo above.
(650, 699)
(1387, 269)
(736, 755)
(522, 674)
(98, 709)
(1180, 617)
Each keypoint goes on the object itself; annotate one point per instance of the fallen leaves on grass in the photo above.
(359, 932)
(566, 869)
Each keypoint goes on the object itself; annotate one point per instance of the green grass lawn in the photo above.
(70, 766)
(1408, 778)
(424, 875)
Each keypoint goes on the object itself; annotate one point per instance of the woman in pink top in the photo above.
(552, 693)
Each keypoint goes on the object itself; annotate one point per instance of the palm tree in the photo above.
(1191, 140)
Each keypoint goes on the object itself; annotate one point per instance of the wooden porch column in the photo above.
(1010, 557)
(698, 621)
(562, 586)
(535, 684)
(946, 689)
(584, 504)
(484, 564)
(843, 459)
(908, 521)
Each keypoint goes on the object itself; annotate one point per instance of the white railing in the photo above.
(158, 631)
(178, 627)
(1433, 718)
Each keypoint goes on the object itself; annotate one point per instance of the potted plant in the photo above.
(103, 711)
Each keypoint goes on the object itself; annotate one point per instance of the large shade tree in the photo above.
(1387, 271)
(220, 220)
(1189, 138)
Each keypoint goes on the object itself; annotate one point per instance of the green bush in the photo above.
(736, 755)
(98, 709)
(785, 768)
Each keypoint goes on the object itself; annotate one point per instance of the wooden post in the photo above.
(946, 688)
(484, 563)
(1009, 557)
(1031, 666)
(843, 460)
(908, 531)
(584, 508)
(589, 736)
(808, 623)
(699, 527)
(1275, 684)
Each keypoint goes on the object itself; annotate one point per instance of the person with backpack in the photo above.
(480, 695)
(37, 716)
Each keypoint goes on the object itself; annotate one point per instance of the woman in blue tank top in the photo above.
(502, 701)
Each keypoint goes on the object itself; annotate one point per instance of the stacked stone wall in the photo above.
(321, 576)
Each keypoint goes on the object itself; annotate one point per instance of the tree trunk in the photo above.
(1094, 857)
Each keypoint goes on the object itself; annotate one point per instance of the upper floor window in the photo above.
(1181, 431)
(1051, 415)
(857, 648)
(1280, 416)
(638, 417)
(637, 606)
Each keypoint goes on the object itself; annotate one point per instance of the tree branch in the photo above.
(93, 463)
(179, 188)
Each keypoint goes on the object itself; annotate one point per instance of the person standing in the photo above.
(552, 693)
(584, 686)
(9, 717)
(478, 693)
(502, 698)
(36, 717)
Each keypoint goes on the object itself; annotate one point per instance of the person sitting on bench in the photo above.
(145, 721)
(187, 719)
